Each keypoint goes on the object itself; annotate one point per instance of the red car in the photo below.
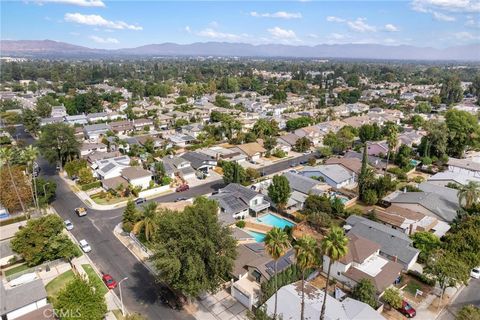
(183, 187)
(109, 282)
(407, 310)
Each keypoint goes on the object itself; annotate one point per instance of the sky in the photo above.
(125, 24)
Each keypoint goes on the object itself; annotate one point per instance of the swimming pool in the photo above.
(275, 221)
(259, 237)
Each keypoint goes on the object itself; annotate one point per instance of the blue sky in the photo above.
(120, 24)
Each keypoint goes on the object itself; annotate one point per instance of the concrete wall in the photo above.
(154, 191)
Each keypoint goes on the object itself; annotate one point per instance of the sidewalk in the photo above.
(431, 307)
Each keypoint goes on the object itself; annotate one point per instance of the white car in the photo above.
(68, 225)
(475, 273)
(85, 246)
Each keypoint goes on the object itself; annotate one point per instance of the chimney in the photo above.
(410, 229)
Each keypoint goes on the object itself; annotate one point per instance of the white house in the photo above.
(334, 175)
(111, 167)
(76, 119)
(464, 166)
(137, 176)
(21, 300)
(87, 148)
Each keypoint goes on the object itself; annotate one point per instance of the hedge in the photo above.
(12, 220)
(422, 278)
(92, 185)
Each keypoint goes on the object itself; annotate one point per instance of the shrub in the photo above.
(419, 179)
(240, 224)
(370, 197)
(90, 186)
(12, 220)
(392, 297)
(279, 153)
(421, 277)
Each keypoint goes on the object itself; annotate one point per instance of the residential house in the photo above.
(45, 121)
(138, 177)
(446, 177)
(178, 166)
(220, 153)
(287, 141)
(93, 132)
(394, 244)
(252, 267)
(313, 133)
(76, 119)
(465, 166)
(378, 163)
(164, 121)
(409, 221)
(236, 201)
(192, 130)
(199, 161)
(363, 261)
(181, 140)
(435, 201)
(289, 298)
(100, 155)
(301, 187)
(88, 148)
(22, 300)
(111, 167)
(121, 127)
(142, 124)
(253, 150)
(334, 175)
(352, 164)
(97, 116)
(377, 148)
(58, 112)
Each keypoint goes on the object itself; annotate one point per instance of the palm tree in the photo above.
(334, 246)
(470, 193)
(5, 158)
(392, 142)
(307, 256)
(147, 220)
(276, 244)
(30, 154)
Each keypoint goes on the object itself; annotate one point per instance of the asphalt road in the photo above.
(140, 291)
(469, 295)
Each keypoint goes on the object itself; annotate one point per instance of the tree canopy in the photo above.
(57, 143)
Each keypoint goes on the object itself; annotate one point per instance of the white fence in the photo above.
(154, 191)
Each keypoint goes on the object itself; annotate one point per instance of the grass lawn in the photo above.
(412, 287)
(57, 284)
(99, 200)
(16, 269)
(92, 276)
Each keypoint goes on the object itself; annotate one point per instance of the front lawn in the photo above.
(100, 198)
(16, 269)
(94, 278)
(57, 284)
(412, 287)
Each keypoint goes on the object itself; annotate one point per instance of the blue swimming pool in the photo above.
(275, 221)
(259, 237)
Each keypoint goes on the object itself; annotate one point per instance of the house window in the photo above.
(338, 273)
(256, 275)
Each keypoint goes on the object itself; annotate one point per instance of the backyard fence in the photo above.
(41, 267)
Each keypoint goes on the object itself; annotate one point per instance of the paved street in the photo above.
(469, 295)
(140, 292)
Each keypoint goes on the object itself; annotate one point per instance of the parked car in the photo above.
(183, 187)
(85, 246)
(81, 211)
(180, 199)
(140, 200)
(68, 225)
(475, 273)
(407, 310)
(109, 282)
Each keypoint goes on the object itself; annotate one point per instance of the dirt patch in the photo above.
(392, 314)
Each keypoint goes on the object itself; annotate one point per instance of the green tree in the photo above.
(276, 245)
(334, 246)
(42, 240)
(44, 106)
(317, 203)
(392, 142)
(57, 143)
(463, 240)
(451, 90)
(403, 156)
(73, 167)
(300, 122)
(29, 155)
(447, 269)
(31, 121)
(393, 297)
(307, 256)
(146, 221)
(193, 251)
(365, 291)
(265, 128)
(463, 131)
(252, 174)
(468, 312)
(233, 172)
(80, 299)
(302, 144)
(130, 216)
(426, 242)
(366, 177)
(12, 177)
(469, 194)
(279, 191)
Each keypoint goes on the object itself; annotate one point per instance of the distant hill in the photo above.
(346, 51)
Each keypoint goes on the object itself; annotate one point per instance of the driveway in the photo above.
(469, 295)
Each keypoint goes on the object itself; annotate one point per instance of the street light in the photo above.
(121, 297)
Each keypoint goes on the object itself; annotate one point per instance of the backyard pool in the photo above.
(259, 237)
(275, 221)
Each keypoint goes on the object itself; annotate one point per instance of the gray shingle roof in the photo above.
(196, 159)
(243, 192)
(335, 172)
(300, 183)
(21, 296)
(393, 242)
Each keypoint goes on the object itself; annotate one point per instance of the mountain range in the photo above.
(49, 48)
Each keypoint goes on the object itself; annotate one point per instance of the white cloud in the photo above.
(282, 34)
(391, 28)
(104, 40)
(472, 22)
(278, 14)
(464, 35)
(187, 29)
(447, 5)
(99, 21)
(215, 34)
(442, 17)
(81, 3)
(360, 25)
(335, 19)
